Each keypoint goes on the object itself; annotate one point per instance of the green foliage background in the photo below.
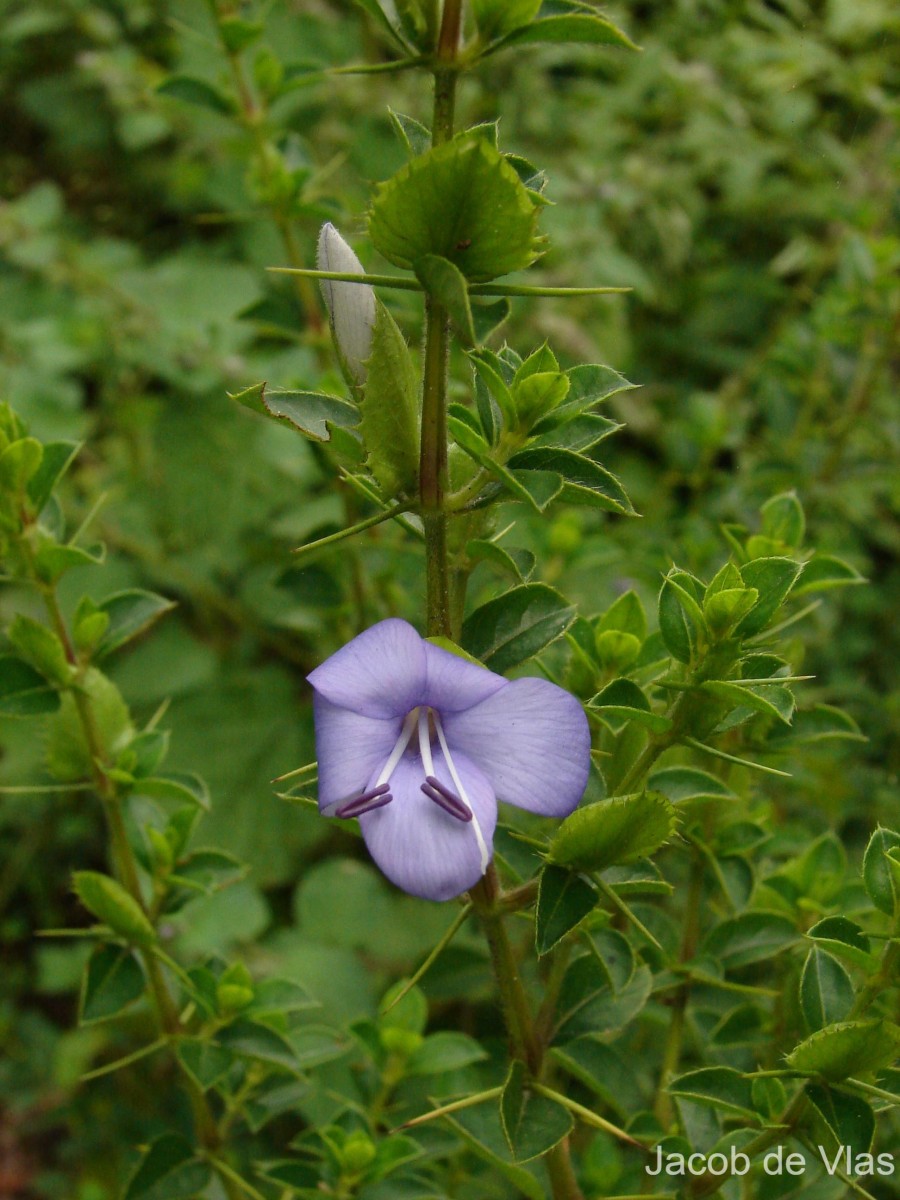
(740, 174)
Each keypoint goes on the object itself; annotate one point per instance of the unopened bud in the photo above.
(351, 306)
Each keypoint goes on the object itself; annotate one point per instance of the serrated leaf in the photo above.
(773, 578)
(446, 1051)
(564, 900)
(841, 1122)
(56, 460)
(826, 992)
(626, 614)
(112, 980)
(412, 133)
(24, 692)
(722, 1088)
(681, 784)
(825, 571)
(589, 1004)
(878, 878)
(582, 28)
(69, 757)
(613, 832)
(205, 1061)
(314, 414)
(192, 90)
(584, 481)
(749, 937)
(169, 1170)
(110, 903)
(461, 201)
(131, 613)
(514, 627)
(40, 647)
(852, 1048)
(783, 519)
(681, 621)
(844, 939)
(446, 283)
(624, 699)
(496, 18)
(772, 700)
(389, 420)
(532, 1123)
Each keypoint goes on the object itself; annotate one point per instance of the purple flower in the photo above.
(421, 744)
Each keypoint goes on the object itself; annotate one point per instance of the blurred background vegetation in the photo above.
(740, 174)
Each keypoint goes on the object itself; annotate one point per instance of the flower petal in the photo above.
(453, 684)
(531, 740)
(380, 673)
(420, 847)
(351, 749)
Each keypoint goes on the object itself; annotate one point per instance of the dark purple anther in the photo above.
(367, 802)
(445, 799)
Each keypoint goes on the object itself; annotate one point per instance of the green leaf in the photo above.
(585, 481)
(238, 34)
(564, 900)
(313, 414)
(446, 283)
(824, 571)
(826, 992)
(783, 520)
(57, 458)
(40, 647)
(461, 201)
(169, 1170)
(626, 615)
(248, 1039)
(480, 1128)
(878, 878)
(589, 385)
(496, 18)
(52, 560)
(384, 22)
(841, 1120)
(514, 627)
(445, 1052)
(749, 937)
(19, 463)
(772, 700)
(612, 832)
(532, 1124)
(182, 787)
(517, 563)
(415, 138)
(389, 410)
(773, 578)
(721, 1088)
(681, 621)
(112, 980)
(69, 756)
(590, 1004)
(205, 1061)
(819, 724)
(192, 90)
(604, 1070)
(208, 871)
(130, 613)
(24, 692)
(681, 784)
(585, 28)
(624, 699)
(852, 1048)
(111, 904)
(844, 939)
(471, 441)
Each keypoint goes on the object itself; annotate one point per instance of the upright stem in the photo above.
(433, 453)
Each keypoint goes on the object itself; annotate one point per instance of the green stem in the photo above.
(677, 1020)
(126, 865)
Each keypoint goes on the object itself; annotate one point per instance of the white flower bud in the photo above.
(351, 306)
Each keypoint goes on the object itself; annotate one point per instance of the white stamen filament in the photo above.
(454, 775)
(425, 742)
(399, 746)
